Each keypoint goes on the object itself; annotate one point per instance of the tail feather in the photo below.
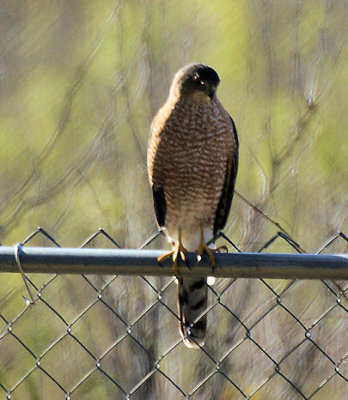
(192, 302)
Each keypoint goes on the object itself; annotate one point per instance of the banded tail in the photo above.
(192, 302)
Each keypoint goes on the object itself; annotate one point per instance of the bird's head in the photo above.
(196, 81)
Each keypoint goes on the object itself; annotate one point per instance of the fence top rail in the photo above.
(144, 262)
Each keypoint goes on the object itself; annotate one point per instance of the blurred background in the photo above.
(80, 82)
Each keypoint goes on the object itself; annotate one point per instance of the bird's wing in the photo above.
(224, 206)
(159, 202)
(155, 170)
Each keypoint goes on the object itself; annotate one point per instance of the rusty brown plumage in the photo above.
(192, 166)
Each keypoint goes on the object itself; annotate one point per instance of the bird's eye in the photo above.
(197, 79)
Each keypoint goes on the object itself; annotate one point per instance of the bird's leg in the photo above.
(203, 247)
(178, 249)
(223, 247)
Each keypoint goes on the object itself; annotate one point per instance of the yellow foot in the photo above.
(179, 249)
(203, 247)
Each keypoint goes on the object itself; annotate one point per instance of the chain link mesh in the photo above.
(81, 82)
(90, 337)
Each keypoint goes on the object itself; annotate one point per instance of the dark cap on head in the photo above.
(196, 78)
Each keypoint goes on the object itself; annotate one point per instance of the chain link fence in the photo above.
(80, 84)
(98, 336)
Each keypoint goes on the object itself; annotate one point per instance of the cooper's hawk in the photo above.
(192, 166)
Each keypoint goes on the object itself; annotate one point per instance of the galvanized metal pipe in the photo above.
(144, 262)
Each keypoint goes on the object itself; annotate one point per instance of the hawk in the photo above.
(192, 164)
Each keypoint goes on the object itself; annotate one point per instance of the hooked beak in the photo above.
(211, 90)
(211, 93)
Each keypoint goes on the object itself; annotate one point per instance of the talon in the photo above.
(179, 249)
(161, 258)
(203, 247)
(223, 247)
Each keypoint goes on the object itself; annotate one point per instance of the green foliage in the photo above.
(81, 81)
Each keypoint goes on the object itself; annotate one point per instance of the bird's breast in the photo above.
(194, 167)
